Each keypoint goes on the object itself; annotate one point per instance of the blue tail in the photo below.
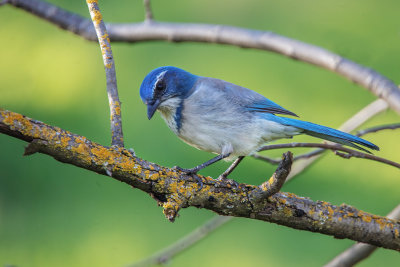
(326, 133)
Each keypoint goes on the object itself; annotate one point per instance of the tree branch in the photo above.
(175, 190)
(117, 138)
(321, 150)
(219, 34)
(378, 128)
(148, 11)
(351, 124)
(336, 148)
(359, 251)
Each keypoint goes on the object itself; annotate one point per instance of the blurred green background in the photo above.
(53, 214)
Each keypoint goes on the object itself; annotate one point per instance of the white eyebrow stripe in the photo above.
(158, 78)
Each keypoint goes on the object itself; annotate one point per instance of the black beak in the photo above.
(152, 107)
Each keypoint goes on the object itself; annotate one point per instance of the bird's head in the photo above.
(165, 83)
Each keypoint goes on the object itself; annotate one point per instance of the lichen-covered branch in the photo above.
(175, 190)
(358, 251)
(220, 34)
(117, 138)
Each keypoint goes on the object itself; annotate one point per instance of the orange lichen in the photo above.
(330, 210)
(102, 153)
(366, 218)
(396, 233)
(96, 16)
(381, 223)
(117, 108)
(288, 212)
(311, 212)
(282, 200)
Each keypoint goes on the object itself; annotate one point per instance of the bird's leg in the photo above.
(228, 171)
(205, 164)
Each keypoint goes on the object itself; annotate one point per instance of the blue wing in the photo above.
(249, 99)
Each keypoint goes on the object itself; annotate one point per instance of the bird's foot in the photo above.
(188, 171)
(222, 178)
(191, 172)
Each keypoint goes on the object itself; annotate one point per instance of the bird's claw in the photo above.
(190, 172)
(231, 182)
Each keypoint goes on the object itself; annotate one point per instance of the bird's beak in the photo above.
(152, 107)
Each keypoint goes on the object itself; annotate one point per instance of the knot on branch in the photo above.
(275, 183)
(171, 209)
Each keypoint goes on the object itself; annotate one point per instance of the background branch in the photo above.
(175, 190)
(117, 138)
(166, 254)
(325, 146)
(219, 34)
(148, 11)
(335, 147)
(351, 124)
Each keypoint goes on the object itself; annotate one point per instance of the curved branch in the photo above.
(336, 148)
(117, 138)
(351, 124)
(219, 34)
(321, 150)
(393, 126)
(175, 190)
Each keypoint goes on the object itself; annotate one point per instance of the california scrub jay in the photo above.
(224, 118)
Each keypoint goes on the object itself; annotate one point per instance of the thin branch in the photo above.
(117, 138)
(334, 147)
(321, 150)
(148, 11)
(351, 124)
(164, 255)
(219, 34)
(230, 169)
(175, 190)
(378, 128)
(359, 251)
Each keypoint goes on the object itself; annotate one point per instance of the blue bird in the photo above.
(224, 118)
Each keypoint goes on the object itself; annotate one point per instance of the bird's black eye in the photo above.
(160, 86)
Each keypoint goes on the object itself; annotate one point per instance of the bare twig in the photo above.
(117, 138)
(355, 121)
(321, 150)
(378, 128)
(228, 171)
(208, 33)
(148, 11)
(164, 255)
(359, 251)
(336, 148)
(266, 159)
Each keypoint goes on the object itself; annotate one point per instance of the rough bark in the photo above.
(175, 190)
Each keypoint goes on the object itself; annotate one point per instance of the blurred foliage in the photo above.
(53, 214)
